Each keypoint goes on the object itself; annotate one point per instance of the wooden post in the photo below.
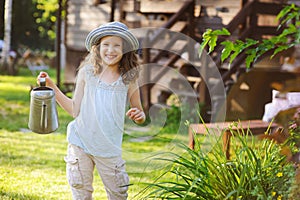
(145, 89)
(226, 143)
(58, 42)
(253, 20)
(191, 30)
(113, 7)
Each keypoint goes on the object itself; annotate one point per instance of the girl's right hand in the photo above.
(47, 78)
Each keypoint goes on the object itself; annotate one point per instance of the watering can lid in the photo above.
(42, 92)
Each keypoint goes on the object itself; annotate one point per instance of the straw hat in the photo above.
(115, 29)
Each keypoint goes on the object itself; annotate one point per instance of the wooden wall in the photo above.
(82, 17)
(232, 5)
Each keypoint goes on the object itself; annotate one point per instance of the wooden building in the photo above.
(245, 18)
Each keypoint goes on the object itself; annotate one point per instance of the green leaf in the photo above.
(228, 47)
(279, 49)
(250, 42)
(205, 39)
(290, 30)
(223, 31)
(212, 43)
(238, 47)
(210, 38)
(285, 11)
(251, 54)
(297, 37)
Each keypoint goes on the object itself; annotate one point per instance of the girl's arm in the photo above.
(71, 106)
(136, 112)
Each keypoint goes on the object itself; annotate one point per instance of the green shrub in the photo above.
(176, 117)
(256, 170)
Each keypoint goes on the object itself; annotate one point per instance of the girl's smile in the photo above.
(111, 50)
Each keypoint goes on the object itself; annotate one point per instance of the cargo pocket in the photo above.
(73, 172)
(121, 178)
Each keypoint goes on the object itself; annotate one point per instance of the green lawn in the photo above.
(32, 165)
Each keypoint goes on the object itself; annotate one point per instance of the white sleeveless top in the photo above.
(98, 128)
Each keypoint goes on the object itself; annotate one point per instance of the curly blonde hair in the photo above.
(128, 66)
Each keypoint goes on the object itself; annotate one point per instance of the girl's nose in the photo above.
(110, 48)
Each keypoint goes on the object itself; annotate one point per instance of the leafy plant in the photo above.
(293, 140)
(257, 170)
(177, 115)
(45, 16)
(289, 18)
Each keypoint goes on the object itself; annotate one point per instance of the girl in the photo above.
(105, 80)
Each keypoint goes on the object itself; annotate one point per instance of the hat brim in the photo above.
(95, 35)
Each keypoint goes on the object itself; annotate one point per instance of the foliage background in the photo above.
(33, 23)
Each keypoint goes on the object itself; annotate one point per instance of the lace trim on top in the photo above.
(95, 80)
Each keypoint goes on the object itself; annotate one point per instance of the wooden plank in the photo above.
(160, 7)
(90, 13)
(129, 6)
(254, 127)
(266, 30)
(77, 25)
(220, 3)
(176, 47)
(77, 2)
(75, 40)
(81, 19)
(268, 8)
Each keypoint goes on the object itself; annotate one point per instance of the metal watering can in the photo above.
(43, 116)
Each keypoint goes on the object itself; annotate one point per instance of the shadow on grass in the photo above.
(15, 196)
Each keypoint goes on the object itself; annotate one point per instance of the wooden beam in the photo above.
(266, 30)
(170, 22)
(267, 8)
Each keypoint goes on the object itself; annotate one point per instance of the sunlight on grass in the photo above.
(32, 165)
(29, 162)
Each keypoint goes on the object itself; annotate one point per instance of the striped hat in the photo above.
(111, 28)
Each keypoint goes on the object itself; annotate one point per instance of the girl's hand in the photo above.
(49, 82)
(136, 115)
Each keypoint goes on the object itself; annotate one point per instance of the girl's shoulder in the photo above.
(85, 72)
(87, 69)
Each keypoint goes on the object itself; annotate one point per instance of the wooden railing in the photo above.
(185, 13)
(245, 23)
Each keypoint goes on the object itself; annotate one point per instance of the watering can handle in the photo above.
(42, 81)
(44, 116)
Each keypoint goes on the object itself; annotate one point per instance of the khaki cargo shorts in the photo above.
(80, 167)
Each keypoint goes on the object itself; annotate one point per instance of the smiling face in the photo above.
(111, 50)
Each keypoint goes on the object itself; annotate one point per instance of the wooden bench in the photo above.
(255, 127)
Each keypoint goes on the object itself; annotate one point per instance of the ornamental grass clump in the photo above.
(255, 170)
